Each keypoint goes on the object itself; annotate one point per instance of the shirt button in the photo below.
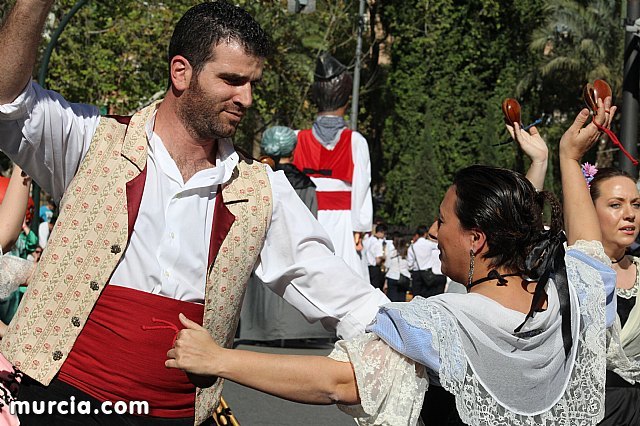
(172, 235)
(115, 249)
(167, 274)
(94, 285)
(57, 356)
(75, 321)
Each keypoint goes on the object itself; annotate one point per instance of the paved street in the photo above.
(255, 408)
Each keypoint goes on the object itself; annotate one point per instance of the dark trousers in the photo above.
(439, 408)
(31, 390)
(621, 402)
(394, 292)
(427, 284)
(376, 276)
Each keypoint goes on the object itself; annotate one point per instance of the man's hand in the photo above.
(194, 350)
(357, 239)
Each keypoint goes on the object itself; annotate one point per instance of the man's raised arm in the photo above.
(20, 34)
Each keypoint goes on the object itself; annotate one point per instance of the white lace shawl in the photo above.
(623, 346)
(14, 271)
(391, 386)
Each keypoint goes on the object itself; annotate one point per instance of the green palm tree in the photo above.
(580, 42)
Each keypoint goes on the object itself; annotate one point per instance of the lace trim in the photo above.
(14, 271)
(592, 249)
(391, 388)
(617, 359)
(390, 385)
(628, 293)
(583, 400)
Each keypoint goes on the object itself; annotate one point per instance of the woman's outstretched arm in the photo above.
(13, 208)
(308, 379)
(580, 218)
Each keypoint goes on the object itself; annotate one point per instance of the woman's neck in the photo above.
(615, 252)
(515, 293)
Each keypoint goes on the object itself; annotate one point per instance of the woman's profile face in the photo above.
(454, 242)
(618, 209)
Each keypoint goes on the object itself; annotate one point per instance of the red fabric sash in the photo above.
(315, 160)
(334, 200)
(115, 359)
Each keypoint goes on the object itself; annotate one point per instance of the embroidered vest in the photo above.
(92, 232)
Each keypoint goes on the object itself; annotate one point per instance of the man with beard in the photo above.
(160, 216)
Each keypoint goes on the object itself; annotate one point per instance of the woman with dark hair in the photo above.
(617, 203)
(525, 346)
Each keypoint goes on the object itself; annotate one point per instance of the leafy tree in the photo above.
(452, 63)
(580, 41)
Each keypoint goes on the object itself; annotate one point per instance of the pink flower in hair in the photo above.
(589, 172)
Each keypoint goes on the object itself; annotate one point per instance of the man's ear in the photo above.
(181, 73)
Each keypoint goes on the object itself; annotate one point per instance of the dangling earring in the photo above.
(472, 261)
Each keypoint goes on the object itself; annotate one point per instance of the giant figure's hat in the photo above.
(328, 67)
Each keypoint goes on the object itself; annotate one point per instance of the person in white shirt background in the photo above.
(424, 263)
(376, 250)
(398, 275)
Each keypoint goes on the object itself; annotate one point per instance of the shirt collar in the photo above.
(226, 157)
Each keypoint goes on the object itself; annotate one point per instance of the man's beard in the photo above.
(200, 115)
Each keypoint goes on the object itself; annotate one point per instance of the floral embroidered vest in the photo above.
(97, 214)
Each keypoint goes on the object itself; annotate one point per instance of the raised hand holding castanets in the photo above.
(600, 90)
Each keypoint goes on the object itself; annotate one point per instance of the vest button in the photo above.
(57, 356)
(94, 285)
(115, 249)
(75, 321)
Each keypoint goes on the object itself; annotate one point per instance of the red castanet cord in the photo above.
(616, 142)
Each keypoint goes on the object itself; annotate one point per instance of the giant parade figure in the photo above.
(337, 160)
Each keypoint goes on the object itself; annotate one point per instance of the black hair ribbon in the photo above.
(544, 260)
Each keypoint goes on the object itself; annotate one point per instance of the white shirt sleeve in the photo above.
(297, 263)
(411, 259)
(47, 136)
(361, 203)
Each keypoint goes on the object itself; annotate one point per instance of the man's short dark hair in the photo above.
(421, 230)
(206, 25)
(381, 227)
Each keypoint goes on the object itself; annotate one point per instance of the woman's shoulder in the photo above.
(589, 251)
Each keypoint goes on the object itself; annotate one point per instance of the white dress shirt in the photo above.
(396, 266)
(421, 254)
(168, 251)
(373, 250)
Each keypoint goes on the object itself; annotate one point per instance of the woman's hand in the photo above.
(578, 139)
(531, 143)
(194, 350)
(536, 149)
